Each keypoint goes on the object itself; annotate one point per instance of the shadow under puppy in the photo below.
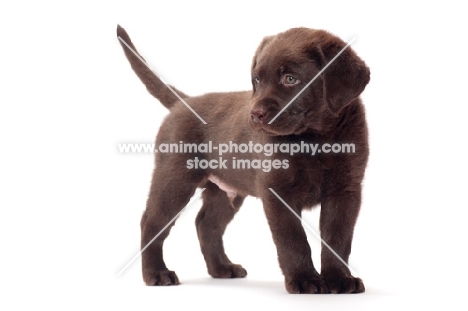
(328, 112)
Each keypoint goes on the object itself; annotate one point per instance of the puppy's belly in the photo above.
(230, 191)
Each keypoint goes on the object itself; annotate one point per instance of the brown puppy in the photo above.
(327, 112)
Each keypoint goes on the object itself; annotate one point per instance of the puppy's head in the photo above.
(284, 64)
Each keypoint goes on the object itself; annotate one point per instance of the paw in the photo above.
(227, 271)
(344, 284)
(312, 284)
(160, 278)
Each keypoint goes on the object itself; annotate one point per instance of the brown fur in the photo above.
(328, 111)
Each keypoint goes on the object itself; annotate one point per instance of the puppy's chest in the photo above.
(301, 182)
(305, 170)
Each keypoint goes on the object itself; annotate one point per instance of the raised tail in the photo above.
(153, 84)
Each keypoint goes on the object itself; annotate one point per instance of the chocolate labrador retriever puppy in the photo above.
(327, 113)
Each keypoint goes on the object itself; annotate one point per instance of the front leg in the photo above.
(293, 249)
(337, 219)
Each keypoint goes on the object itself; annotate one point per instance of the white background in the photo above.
(71, 204)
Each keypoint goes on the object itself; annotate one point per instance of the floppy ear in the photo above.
(345, 78)
(260, 48)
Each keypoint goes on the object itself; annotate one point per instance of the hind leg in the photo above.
(211, 223)
(168, 196)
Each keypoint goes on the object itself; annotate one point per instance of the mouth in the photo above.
(262, 126)
(277, 128)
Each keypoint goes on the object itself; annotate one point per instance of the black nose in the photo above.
(258, 115)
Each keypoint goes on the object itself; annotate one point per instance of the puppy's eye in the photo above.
(256, 80)
(290, 80)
